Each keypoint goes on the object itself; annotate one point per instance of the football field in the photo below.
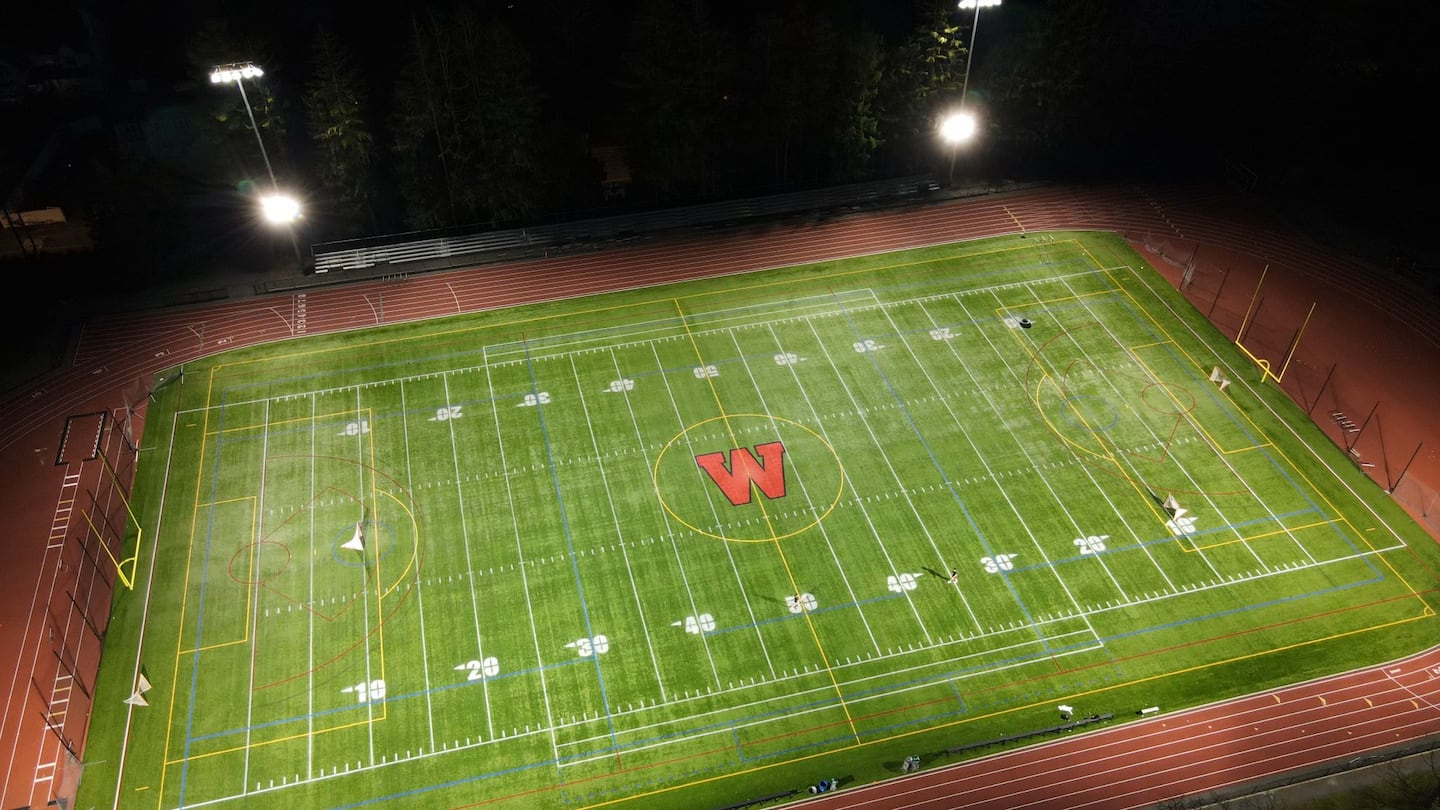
(688, 545)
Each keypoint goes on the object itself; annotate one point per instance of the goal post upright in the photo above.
(1249, 310)
(1295, 344)
(132, 561)
(1267, 369)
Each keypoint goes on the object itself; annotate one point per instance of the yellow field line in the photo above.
(1290, 464)
(1282, 530)
(769, 526)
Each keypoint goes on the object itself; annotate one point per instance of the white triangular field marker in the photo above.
(137, 699)
(143, 686)
(357, 542)
(1170, 503)
(1215, 375)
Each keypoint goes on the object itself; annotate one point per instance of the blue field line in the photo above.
(949, 485)
(793, 749)
(836, 701)
(569, 543)
(959, 698)
(570, 662)
(972, 323)
(270, 382)
(990, 663)
(833, 701)
(1160, 540)
(540, 763)
(1246, 608)
(1227, 408)
(622, 329)
(632, 331)
(793, 616)
(200, 610)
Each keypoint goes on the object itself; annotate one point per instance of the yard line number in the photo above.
(587, 647)
(902, 582)
(366, 691)
(446, 413)
(704, 623)
(998, 563)
(478, 670)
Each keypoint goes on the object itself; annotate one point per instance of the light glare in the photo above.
(235, 72)
(958, 127)
(280, 208)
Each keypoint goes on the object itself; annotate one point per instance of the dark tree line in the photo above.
(482, 114)
(458, 127)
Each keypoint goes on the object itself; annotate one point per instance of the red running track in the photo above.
(1140, 764)
(1132, 766)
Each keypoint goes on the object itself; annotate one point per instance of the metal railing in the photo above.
(417, 247)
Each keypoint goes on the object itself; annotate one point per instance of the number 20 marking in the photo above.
(477, 670)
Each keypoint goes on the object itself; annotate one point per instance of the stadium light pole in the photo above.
(277, 207)
(959, 126)
(238, 72)
(974, 29)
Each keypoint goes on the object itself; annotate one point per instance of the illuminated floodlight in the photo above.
(958, 127)
(280, 209)
(224, 74)
(978, 4)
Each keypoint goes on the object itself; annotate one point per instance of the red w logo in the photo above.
(745, 469)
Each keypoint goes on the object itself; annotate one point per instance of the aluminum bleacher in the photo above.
(415, 249)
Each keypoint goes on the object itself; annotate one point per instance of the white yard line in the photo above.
(1257, 492)
(254, 593)
(520, 558)
(984, 462)
(1121, 397)
(669, 530)
(420, 581)
(1085, 470)
(138, 668)
(1283, 421)
(899, 485)
(763, 705)
(365, 567)
(710, 500)
(310, 612)
(619, 532)
(465, 543)
(820, 524)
